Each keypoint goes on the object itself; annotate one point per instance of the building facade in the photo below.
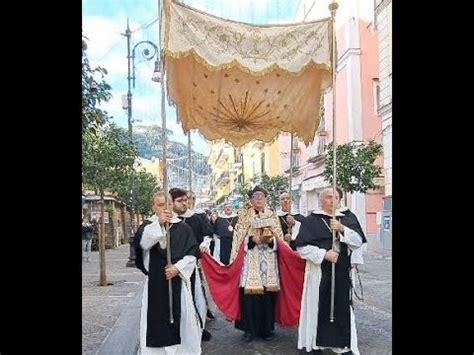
(357, 117)
(116, 217)
(383, 21)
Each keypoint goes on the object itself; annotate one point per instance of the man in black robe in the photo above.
(290, 222)
(314, 243)
(224, 226)
(157, 334)
(198, 226)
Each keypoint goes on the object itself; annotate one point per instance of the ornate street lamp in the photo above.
(149, 52)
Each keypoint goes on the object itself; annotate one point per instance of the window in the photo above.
(376, 85)
(296, 160)
(321, 149)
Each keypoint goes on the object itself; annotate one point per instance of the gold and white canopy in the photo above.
(242, 82)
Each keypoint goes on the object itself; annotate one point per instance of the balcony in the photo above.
(317, 159)
(223, 178)
(295, 170)
(236, 166)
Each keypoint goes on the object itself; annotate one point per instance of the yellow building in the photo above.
(222, 157)
(260, 158)
(226, 163)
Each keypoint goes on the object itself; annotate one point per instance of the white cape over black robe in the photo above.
(315, 331)
(157, 335)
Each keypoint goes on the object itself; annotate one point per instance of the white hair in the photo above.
(324, 192)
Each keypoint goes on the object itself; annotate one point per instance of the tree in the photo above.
(93, 92)
(355, 168)
(107, 156)
(242, 190)
(144, 186)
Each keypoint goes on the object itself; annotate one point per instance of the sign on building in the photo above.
(96, 215)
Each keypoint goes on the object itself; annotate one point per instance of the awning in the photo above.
(242, 82)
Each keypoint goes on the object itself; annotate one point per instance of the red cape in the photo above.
(224, 282)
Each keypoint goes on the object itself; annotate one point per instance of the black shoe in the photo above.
(268, 337)
(248, 337)
(206, 336)
(318, 352)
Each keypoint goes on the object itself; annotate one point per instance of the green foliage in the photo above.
(355, 166)
(144, 186)
(94, 91)
(242, 190)
(274, 186)
(137, 190)
(107, 156)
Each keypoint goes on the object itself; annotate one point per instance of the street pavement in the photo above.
(103, 307)
(373, 320)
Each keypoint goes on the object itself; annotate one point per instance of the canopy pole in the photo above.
(333, 7)
(291, 176)
(164, 144)
(190, 173)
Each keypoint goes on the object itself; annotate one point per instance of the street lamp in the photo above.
(148, 55)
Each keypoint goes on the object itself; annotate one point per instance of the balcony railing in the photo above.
(222, 178)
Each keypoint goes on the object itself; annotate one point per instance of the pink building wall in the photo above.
(371, 123)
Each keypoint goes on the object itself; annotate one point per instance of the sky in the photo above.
(104, 22)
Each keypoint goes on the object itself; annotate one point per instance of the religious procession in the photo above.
(254, 216)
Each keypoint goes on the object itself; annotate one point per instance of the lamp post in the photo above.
(148, 55)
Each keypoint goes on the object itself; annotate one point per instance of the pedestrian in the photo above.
(87, 235)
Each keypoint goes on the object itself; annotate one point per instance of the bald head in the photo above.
(326, 199)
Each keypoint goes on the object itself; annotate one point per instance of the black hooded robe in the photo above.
(314, 231)
(159, 331)
(221, 228)
(284, 227)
